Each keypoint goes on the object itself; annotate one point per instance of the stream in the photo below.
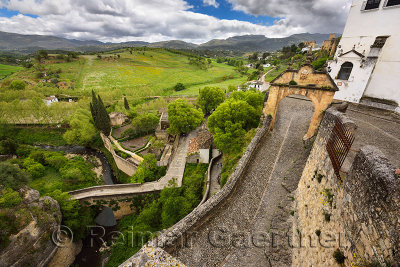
(90, 255)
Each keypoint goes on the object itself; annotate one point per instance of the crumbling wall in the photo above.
(357, 217)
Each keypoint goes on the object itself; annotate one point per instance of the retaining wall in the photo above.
(358, 216)
(124, 165)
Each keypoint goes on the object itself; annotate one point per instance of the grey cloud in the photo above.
(310, 15)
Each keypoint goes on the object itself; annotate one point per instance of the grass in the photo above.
(137, 76)
(35, 136)
(6, 70)
(48, 183)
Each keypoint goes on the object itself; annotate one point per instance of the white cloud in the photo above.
(213, 3)
(158, 20)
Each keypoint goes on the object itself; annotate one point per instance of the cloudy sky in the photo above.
(158, 20)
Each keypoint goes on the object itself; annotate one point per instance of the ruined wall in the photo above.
(124, 165)
(357, 216)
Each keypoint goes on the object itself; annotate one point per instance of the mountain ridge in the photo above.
(15, 42)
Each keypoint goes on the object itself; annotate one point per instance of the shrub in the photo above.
(179, 87)
(318, 232)
(17, 85)
(8, 147)
(35, 169)
(12, 176)
(292, 82)
(9, 198)
(339, 256)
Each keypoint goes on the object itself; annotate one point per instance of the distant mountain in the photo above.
(174, 44)
(260, 42)
(31, 43)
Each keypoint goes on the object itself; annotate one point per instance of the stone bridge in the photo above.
(123, 191)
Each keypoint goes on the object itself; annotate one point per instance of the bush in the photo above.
(292, 82)
(339, 256)
(179, 87)
(12, 176)
(35, 169)
(8, 147)
(17, 85)
(9, 198)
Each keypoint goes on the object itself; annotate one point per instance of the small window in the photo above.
(371, 4)
(345, 71)
(379, 42)
(392, 2)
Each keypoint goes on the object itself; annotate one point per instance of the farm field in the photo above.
(6, 70)
(114, 75)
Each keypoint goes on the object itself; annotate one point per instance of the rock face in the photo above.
(32, 245)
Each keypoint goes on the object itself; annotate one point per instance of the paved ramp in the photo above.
(261, 201)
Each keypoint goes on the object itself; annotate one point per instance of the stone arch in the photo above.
(317, 86)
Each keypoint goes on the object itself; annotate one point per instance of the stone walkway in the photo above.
(175, 170)
(261, 202)
(215, 172)
(378, 128)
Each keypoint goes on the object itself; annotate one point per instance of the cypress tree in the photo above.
(126, 104)
(104, 119)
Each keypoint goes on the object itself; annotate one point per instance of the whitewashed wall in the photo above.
(361, 29)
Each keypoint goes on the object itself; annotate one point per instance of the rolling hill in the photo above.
(31, 43)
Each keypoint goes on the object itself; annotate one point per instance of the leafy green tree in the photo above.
(9, 198)
(148, 170)
(11, 176)
(183, 117)
(145, 122)
(230, 122)
(17, 85)
(82, 131)
(253, 98)
(210, 98)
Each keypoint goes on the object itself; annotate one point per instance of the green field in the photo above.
(6, 70)
(153, 72)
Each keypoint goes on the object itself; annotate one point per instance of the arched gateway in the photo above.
(316, 85)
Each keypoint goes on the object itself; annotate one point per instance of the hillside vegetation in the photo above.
(135, 73)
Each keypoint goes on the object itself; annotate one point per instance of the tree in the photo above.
(183, 117)
(17, 85)
(100, 115)
(230, 122)
(82, 131)
(210, 98)
(11, 176)
(179, 87)
(253, 98)
(148, 170)
(126, 104)
(145, 123)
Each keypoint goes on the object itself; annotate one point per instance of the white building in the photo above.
(50, 100)
(366, 66)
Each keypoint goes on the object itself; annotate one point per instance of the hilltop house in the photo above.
(50, 100)
(117, 118)
(366, 66)
(201, 148)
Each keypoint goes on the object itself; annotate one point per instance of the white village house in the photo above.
(366, 66)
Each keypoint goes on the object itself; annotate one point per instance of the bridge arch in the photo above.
(315, 85)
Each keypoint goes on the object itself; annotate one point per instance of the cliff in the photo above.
(33, 222)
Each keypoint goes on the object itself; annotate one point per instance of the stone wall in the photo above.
(357, 216)
(173, 237)
(124, 165)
